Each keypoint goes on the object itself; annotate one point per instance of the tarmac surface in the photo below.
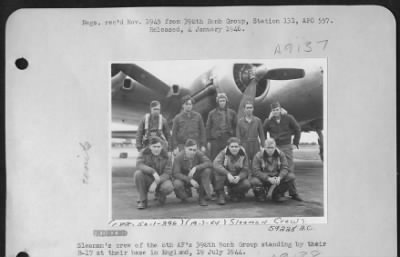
(309, 180)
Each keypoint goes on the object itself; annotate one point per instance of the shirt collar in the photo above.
(246, 120)
(275, 154)
(185, 157)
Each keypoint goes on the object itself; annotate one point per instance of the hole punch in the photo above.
(21, 63)
(22, 254)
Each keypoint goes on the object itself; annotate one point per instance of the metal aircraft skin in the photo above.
(299, 89)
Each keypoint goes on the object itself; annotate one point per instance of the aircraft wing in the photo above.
(297, 88)
(133, 88)
(127, 134)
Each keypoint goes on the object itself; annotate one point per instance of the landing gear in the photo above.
(321, 143)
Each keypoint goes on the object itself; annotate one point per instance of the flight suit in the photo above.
(274, 166)
(153, 123)
(238, 165)
(147, 163)
(220, 126)
(181, 168)
(248, 133)
(188, 125)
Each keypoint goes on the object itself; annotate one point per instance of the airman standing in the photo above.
(281, 127)
(220, 126)
(153, 124)
(249, 131)
(188, 124)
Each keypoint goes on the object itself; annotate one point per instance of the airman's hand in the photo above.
(270, 191)
(237, 179)
(203, 149)
(156, 178)
(231, 178)
(191, 172)
(194, 183)
(153, 187)
(271, 180)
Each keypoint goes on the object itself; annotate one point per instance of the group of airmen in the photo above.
(223, 159)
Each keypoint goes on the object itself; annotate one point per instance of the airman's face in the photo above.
(248, 109)
(222, 102)
(234, 148)
(156, 149)
(155, 110)
(187, 106)
(270, 148)
(276, 112)
(190, 151)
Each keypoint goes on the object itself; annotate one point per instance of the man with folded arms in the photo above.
(192, 168)
(153, 174)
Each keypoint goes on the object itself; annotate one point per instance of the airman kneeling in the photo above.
(153, 174)
(231, 168)
(271, 178)
(192, 168)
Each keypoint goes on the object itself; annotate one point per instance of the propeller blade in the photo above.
(248, 95)
(284, 74)
(142, 76)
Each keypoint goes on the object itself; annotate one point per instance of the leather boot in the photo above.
(278, 198)
(234, 197)
(221, 197)
(259, 194)
(188, 191)
(297, 197)
(161, 198)
(202, 197)
(142, 204)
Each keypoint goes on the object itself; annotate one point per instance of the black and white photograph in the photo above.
(218, 139)
(201, 131)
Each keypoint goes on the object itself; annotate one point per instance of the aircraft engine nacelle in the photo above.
(239, 81)
(128, 84)
(233, 80)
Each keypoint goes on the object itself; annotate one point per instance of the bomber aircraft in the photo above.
(299, 89)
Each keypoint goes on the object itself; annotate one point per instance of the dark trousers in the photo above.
(202, 177)
(288, 150)
(240, 188)
(218, 144)
(143, 182)
(286, 183)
